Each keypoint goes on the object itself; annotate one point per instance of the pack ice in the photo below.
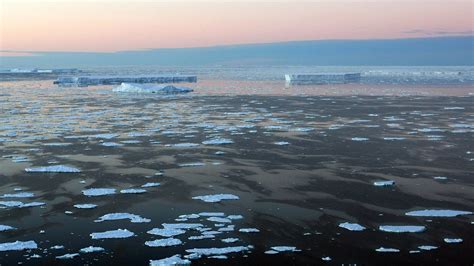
(146, 88)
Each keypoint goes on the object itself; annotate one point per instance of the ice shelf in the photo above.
(322, 78)
(116, 80)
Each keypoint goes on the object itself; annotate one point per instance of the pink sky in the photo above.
(105, 25)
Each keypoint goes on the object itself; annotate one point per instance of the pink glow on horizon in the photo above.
(130, 26)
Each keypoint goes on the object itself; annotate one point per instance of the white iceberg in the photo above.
(148, 88)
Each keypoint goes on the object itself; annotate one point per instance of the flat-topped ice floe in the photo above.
(173, 260)
(122, 216)
(119, 233)
(437, 213)
(322, 78)
(352, 226)
(115, 80)
(218, 251)
(148, 88)
(402, 228)
(216, 197)
(53, 169)
(166, 242)
(18, 245)
(93, 192)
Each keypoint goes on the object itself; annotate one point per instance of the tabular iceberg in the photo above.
(141, 88)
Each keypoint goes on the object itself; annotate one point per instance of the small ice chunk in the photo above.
(437, 213)
(53, 169)
(440, 178)
(151, 184)
(285, 249)
(166, 232)
(18, 245)
(67, 256)
(218, 251)
(92, 192)
(173, 260)
(382, 249)
(191, 164)
(281, 143)
(85, 206)
(219, 220)
(119, 233)
(105, 136)
(166, 242)
(132, 191)
(230, 240)
(217, 141)
(20, 204)
(111, 144)
(6, 228)
(185, 145)
(182, 226)
(91, 249)
(402, 228)
(249, 230)
(19, 195)
(359, 139)
(352, 226)
(235, 217)
(216, 197)
(201, 237)
(121, 216)
(384, 183)
(210, 214)
(427, 247)
(453, 240)
(326, 258)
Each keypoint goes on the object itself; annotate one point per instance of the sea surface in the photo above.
(244, 170)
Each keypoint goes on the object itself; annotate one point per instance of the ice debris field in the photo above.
(183, 180)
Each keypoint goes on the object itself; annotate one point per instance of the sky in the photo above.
(125, 25)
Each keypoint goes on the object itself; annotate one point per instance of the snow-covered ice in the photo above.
(166, 242)
(92, 192)
(119, 233)
(122, 216)
(217, 141)
(85, 206)
(437, 213)
(166, 232)
(173, 260)
(352, 226)
(91, 249)
(18, 245)
(218, 251)
(402, 228)
(151, 88)
(216, 197)
(383, 249)
(53, 169)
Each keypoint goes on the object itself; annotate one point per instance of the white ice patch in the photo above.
(53, 169)
(427, 247)
(216, 197)
(218, 251)
(359, 139)
(440, 178)
(211, 214)
(19, 195)
(132, 191)
(182, 226)
(92, 192)
(437, 213)
(281, 143)
(402, 228)
(151, 184)
(148, 88)
(174, 260)
(166, 242)
(166, 232)
(119, 233)
(384, 183)
(67, 256)
(185, 145)
(19, 204)
(217, 141)
(352, 226)
(122, 216)
(6, 228)
(453, 240)
(91, 249)
(285, 249)
(111, 144)
(230, 240)
(18, 245)
(249, 230)
(85, 206)
(191, 164)
(382, 249)
(105, 136)
(219, 220)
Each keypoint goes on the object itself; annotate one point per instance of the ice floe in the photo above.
(19, 195)
(383, 249)
(92, 192)
(166, 232)
(67, 256)
(122, 216)
(166, 242)
(402, 228)
(218, 251)
(453, 240)
(384, 183)
(151, 184)
(91, 249)
(18, 245)
(119, 233)
(85, 206)
(427, 247)
(437, 213)
(182, 225)
(217, 141)
(216, 197)
(359, 139)
(19, 204)
(132, 191)
(352, 226)
(173, 260)
(53, 169)
(146, 88)
(249, 230)
(6, 228)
